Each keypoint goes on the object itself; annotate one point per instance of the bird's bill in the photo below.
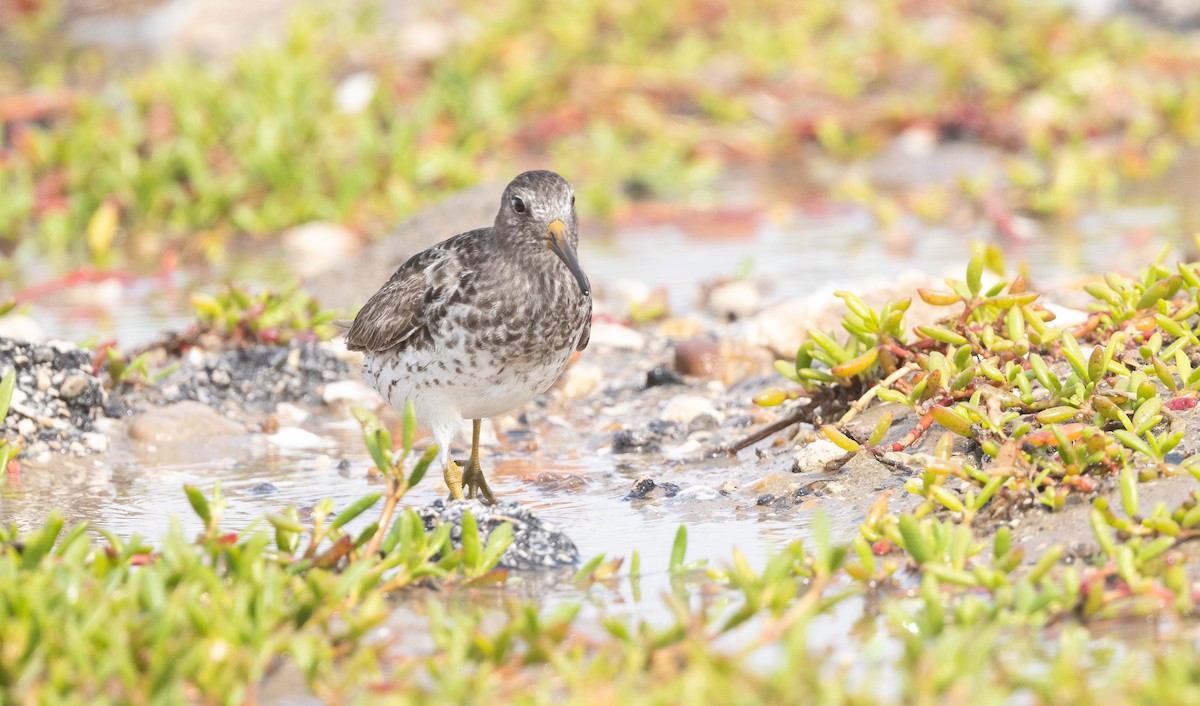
(557, 232)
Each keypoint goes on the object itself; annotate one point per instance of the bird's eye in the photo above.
(518, 204)
(572, 199)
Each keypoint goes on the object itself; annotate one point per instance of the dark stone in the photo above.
(645, 486)
(663, 376)
(264, 489)
(765, 499)
(634, 441)
(642, 487)
(669, 490)
(700, 357)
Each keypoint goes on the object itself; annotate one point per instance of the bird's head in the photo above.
(538, 207)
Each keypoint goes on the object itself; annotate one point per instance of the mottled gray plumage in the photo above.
(479, 324)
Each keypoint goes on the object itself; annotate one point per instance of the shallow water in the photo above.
(804, 249)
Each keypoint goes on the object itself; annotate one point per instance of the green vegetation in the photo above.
(8, 450)
(931, 591)
(632, 99)
(276, 317)
(1049, 421)
(627, 98)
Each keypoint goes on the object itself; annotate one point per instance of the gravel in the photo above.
(536, 544)
(255, 378)
(56, 401)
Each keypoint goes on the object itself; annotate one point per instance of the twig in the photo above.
(385, 519)
(795, 417)
(861, 403)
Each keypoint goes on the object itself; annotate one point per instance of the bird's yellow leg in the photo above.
(454, 480)
(472, 475)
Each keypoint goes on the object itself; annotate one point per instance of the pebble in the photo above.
(182, 422)
(695, 493)
(634, 441)
(698, 357)
(691, 447)
(580, 380)
(352, 393)
(734, 300)
(288, 413)
(295, 438)
(646, 486)
(661, 376)
(684, 408)
(813, 456)
(95, 442)
(616, 336)
(27, 427)
(20, 327)
(73, 386)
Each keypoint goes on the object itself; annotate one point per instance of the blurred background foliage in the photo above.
(354, 117)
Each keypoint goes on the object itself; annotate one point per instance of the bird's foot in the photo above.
(453, 476)
(476, 484)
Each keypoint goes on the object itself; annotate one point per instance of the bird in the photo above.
(481, 323)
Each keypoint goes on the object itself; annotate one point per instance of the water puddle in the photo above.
(804, 250)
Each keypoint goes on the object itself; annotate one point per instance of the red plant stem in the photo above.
(911, 437)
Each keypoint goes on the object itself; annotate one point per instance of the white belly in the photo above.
(450, 383)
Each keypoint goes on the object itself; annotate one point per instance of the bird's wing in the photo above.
(411, 299)
(587, 330)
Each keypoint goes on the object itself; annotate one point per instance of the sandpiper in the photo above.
(479, 324)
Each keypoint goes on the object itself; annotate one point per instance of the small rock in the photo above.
(681, 327)
(26, 427)
(73, 386)
(684, 408)
(350, 392)
(220, 378)
(43, 381)
(662, 376)
(182, 422)
(813, 456)
(288, 413)
(264, 489)
(95, 442)
(634, 441)
(689, 448)
(616, 336)
(559, 481)
(580, 380)
(734, 300)
(21, 327)
(295, 438)
(641, 488)
(699, 357)
(696, 493)
(645, 486)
